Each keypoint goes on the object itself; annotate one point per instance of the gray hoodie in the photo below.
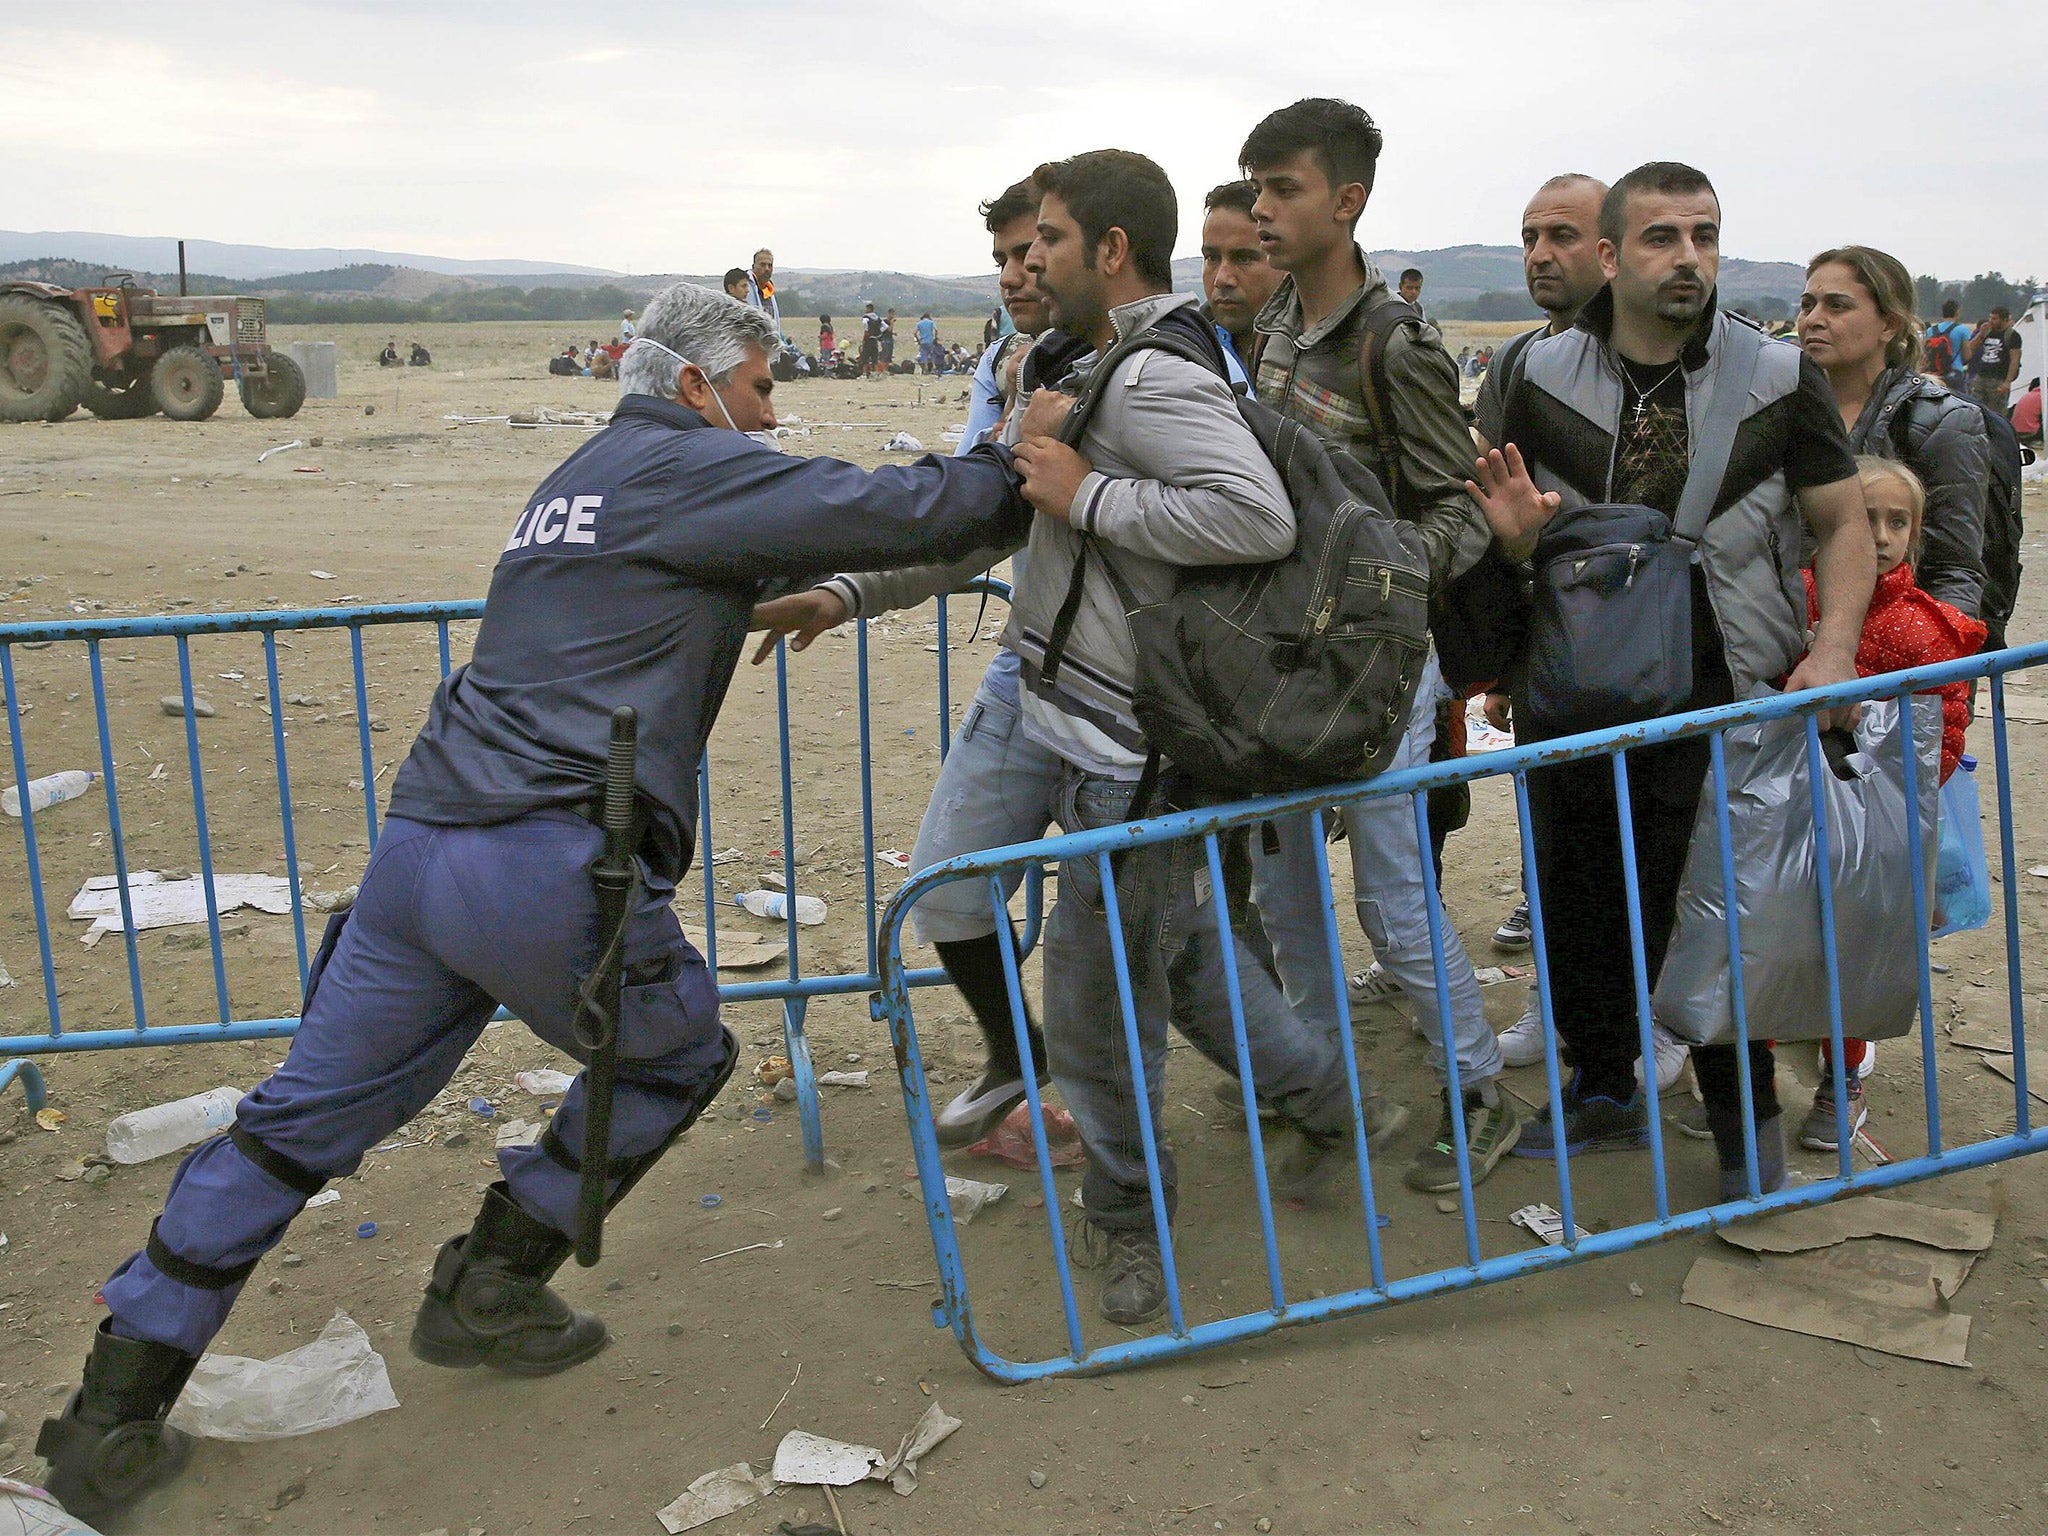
(1178, 480)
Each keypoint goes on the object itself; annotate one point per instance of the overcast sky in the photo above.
(653, 135)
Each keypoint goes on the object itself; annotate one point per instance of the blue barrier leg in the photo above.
(1348, 1049)
(867, 791)
(1454, 1087)
(220, 972)
(284, 793)
(28, 838)
(1824, 881)
(1539, 948)
(2007, 863)
(129, 941)
(1631, 882)
(355, 648)
(31, 1082)
(793, 1010)
(1916, 853)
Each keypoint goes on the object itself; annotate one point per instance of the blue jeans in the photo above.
(996, 788)
(1386, 874)
(450, 922)
(1175, 956)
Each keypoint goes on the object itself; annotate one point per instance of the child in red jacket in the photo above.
(1905, 627)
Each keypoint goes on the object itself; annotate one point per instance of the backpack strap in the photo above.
(1154, 338)
(1381, 321)
(1741, 346)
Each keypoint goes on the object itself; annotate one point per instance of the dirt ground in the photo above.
(1586, 1399)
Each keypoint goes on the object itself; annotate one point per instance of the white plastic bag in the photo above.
(333, 1380)
(1770, 812)
(26, 1510)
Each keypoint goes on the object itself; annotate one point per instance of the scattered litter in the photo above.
(321, 575)
(2002, 1065)
(543, 1081)
(741, 951)
(544, 417)
(814, 1460)
(903, 442)
(334, 1380)
(2038, 869)
(1821, 1303)
(1494, 975)
(159, 903)
(325, 1197)
(482, 1107)
(1010, 1142)
(51, 1119)
(749, 1248)
(297, 442)
(844, 1079)
(893, 859)
(6, 980)
(32, 1511)
(144, 1134)
(1545, 1224)
(332, 901)
(519, 1133)
(367, 1229)
(710, 1201)
(970, 1197)
(713, 1496)
(810, 911)
(764, 1114)
(772, 1070)
(727, 857)
(1867, 1216)
(308, 469)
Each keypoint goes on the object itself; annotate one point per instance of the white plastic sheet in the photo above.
(333, 1380)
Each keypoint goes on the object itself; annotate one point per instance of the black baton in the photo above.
(597, 1001)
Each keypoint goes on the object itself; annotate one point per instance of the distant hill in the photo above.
(1459, 282)
(160, 253)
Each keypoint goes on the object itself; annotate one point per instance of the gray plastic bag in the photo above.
(1770, 810)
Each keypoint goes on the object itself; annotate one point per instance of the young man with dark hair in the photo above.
(737, 285)
(1944, 347)
(1604, 413)
(996, 784)
(1994, 354)
(1313, 165)
(1410, 287)
(1236, 277)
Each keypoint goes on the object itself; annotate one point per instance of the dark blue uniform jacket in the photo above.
(628, 579)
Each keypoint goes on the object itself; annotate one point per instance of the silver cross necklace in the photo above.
(1643, 395)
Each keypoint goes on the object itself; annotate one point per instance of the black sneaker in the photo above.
(1514, 932)
(1133, 1273)
(1592, 1123)
(1490, 1131)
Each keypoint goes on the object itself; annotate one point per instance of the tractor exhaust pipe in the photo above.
(182, 291)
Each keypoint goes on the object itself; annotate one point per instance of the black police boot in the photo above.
(489, 1302)
(111, 1445)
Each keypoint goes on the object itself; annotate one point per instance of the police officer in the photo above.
(627, 580)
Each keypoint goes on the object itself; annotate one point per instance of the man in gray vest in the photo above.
(1605, 413)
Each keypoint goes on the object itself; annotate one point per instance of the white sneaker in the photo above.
(1521, 1043)
(1373, 985)
(1672, 1054)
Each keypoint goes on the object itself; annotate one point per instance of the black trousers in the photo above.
(1585, 909)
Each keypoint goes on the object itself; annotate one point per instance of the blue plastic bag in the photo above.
(1962, 879)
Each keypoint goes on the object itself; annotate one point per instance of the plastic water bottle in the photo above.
(809, 910)
(47, 791)
(143, 1134)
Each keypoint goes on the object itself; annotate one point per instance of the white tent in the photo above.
(2033, 331)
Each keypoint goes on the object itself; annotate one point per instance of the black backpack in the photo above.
(1290, 674)
(2003, 527)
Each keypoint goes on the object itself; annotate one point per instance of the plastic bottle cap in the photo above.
(1967, 763)
(764, 1113)
(483, 1107)
(367, 1229)
(708, 1201)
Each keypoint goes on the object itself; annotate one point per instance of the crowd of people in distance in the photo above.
(595, 360)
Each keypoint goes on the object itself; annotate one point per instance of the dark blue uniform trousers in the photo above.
(449, 923)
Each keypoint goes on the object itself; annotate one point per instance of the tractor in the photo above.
(122, 352)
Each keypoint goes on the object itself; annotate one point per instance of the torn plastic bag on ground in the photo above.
(333, 1380)
(1770, 813)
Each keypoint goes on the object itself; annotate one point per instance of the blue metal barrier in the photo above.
(1177, 1335)
(794, 990)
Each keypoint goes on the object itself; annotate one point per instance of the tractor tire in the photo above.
(186, 384)
(130, 404)
(45, 360)
(280, 392)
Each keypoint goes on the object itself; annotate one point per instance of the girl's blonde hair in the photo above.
(1870, 468)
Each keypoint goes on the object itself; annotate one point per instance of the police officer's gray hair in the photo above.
(712, 330)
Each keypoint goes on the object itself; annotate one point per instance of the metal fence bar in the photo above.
(28, 837)
(205, 830)
(355, 650)
(1632, 888)
(129, 941)
(1916, 853)
(2008, 864)
(1454, 1087)
(284, 800)
(1179, 1336)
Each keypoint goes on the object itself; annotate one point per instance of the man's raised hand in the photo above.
(803, 616)
(1515, 509)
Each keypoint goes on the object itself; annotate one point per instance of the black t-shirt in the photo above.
(1994, 355)
(1651, 445)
